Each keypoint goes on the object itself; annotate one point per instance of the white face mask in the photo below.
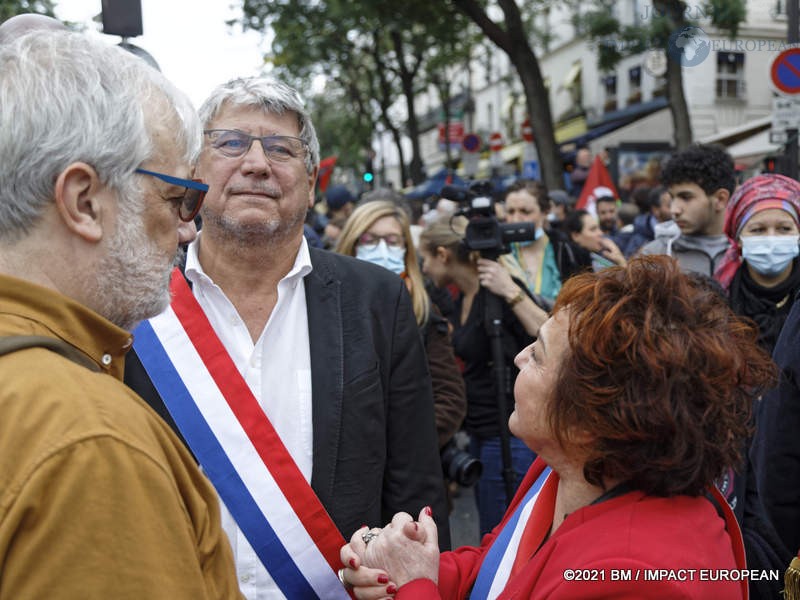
(668, 229)
(388, 257)
(769, 254)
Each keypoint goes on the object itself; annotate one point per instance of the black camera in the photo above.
(460, 466)
(484, 232)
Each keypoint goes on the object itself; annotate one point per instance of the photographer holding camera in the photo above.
(460, 252)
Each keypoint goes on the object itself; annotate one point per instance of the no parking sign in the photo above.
(785, 72)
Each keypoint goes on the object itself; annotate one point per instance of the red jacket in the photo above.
(632, 534)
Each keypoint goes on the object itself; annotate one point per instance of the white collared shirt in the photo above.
(277, 368)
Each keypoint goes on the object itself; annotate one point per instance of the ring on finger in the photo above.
(369, 536)
(345, 584)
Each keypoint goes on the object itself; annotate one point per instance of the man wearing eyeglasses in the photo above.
(98, 497)
(296, 376)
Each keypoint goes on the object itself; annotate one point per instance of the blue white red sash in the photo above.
(496, 566)
(239, 450)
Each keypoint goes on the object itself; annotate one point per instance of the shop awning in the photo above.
(573, 75)
(754, 149)
(570, 129)
(610, 122)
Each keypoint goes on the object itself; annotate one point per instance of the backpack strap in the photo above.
(732, 525)
(20, 342)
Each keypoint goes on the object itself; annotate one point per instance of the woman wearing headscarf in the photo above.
(761, 275)
(763, 223)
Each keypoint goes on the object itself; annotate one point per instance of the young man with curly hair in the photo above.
(700, 179)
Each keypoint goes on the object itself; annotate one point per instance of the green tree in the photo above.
(377, 51)
(10, 8)
(616, 41)
(512, 35)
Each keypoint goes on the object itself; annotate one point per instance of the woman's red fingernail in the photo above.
(428, 511)
(383, 579)
(352, 563)
(390, 589)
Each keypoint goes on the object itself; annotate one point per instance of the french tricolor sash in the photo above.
(496, 566)
(239, 450)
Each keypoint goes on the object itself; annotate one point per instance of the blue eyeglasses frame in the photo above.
(191, 203)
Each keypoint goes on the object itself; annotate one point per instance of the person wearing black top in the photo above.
(448, 262)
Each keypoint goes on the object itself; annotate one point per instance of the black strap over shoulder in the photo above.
(20, 342)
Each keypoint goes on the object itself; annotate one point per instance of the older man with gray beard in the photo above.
(297, 376)
(98, 498)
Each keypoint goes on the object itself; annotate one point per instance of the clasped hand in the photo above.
(402, 551)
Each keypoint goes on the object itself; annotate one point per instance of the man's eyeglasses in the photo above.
(392, 239)
(277, 148)
(193, 195)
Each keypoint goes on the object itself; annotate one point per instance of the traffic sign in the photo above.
(785, 72)
(778, 137)
(527, 130)
(785, 113)
(496, 142)
(471, 143)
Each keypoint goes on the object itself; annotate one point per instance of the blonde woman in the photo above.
(379, 232)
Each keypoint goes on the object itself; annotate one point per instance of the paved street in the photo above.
(464, 530)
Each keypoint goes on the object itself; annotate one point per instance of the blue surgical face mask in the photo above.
(388, 257)
(537, 234)
(769, 254)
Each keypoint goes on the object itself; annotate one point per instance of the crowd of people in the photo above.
(206, 394)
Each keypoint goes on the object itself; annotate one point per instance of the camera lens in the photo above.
(460, 466)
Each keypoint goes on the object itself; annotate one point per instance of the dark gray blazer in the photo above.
(375, 449)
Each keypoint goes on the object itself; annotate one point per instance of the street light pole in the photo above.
(792, 37)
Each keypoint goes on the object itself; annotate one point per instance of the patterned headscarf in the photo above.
(758, 193)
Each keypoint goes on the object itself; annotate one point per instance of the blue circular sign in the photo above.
(471, 143)
(689, 46)
(785, 72)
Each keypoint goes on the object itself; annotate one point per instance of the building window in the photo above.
(634, 85)
(610, 86)
(730, 75)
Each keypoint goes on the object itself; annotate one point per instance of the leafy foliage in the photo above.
(10, 8)
(370, 53)
(727, 14)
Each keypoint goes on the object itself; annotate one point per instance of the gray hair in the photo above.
(66, 98)
(270, 96)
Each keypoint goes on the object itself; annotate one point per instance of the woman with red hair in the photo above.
(635, 396)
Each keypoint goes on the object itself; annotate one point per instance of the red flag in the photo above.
(325, 171)
(598, 184)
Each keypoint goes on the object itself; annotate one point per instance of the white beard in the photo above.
(134, 281)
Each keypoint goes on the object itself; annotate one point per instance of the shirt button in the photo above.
(245, 578)
(106, 360)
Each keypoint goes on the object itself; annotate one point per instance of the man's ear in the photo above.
(312, 186)
(720, 199)
(79, 202)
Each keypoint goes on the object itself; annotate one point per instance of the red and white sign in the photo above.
(496, 142)
(455, 132)
(527, 130)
